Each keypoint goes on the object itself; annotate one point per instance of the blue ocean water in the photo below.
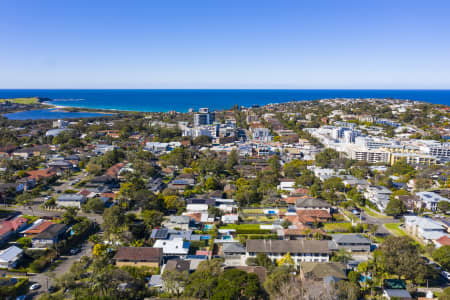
(50, 114)
(182, 100)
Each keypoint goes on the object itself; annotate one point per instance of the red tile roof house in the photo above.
(11, 227)
(37, 227)
(41, 174)
(114, 170)
(442, 241)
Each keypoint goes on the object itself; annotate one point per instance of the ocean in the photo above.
(181, 100)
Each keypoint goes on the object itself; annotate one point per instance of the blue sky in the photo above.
(224, 44)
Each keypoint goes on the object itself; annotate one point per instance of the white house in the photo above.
(71, 200)
(10, 256)
(300, 250)
(287, 185)
(424, 228)
(175, 247)
(430, 200)
(378, 195)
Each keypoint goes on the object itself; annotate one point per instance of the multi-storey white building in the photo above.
(299, 250)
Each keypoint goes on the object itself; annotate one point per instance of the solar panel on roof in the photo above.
(162, 233)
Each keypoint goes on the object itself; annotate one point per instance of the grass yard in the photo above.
(253, 211)
(32, 100)
(241, 226)
(372, 213)
(337, 227)
(395, 229)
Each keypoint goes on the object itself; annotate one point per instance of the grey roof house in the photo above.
(355, 243)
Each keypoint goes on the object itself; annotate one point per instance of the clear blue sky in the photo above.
(224, 44)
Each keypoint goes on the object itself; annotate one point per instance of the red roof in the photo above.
(313, 215)
(39, 174)
(444, 240)
(114, 170)
(12, 225)
(292, 200)
(84, 193)
(39, 228)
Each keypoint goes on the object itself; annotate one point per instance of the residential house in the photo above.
(425, 229)
(378, 195)
(49, 236)
(11, 226)
(429, 200)
(10, 257)
(300, 250)
(37, 227)
(71, 200)
(179, 265)
(313, 217)
(170, 234)
(175, 247)
(179, 222)
(395, 289)
(233, 254)
(312, 204)
(41, 174)
(287, 185)
(354, 243)
(442, 241)
(139, 257)
(320, 271)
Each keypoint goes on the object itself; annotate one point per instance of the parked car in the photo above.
(35, 286)
(75, 251)
(51, 289)
(446, 275)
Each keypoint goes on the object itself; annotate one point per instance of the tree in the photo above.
(113, 221)
(286, 260)
(443, 206)
(401, 256)
(175, 281)
(286, 223)
(205, 279)
(325, 158)
(69, 216)
(202, 140)
(152, 218)
(348, 290)
(395, 207)
(277, 278)
(445, 294)
(442, 256)
(173, 202)
(95, 205)
(306, 179)
(294, 167)
(232, 160)
(211, 183)
(342, 256)
(237, 284)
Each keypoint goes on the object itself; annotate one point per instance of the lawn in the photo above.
(240, 226)
(253, 211)
(32, 100)
(337, 227)
(395, 229)
(372, 213)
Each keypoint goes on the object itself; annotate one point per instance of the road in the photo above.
(45, 280)
(35, 210)
(379, 222)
